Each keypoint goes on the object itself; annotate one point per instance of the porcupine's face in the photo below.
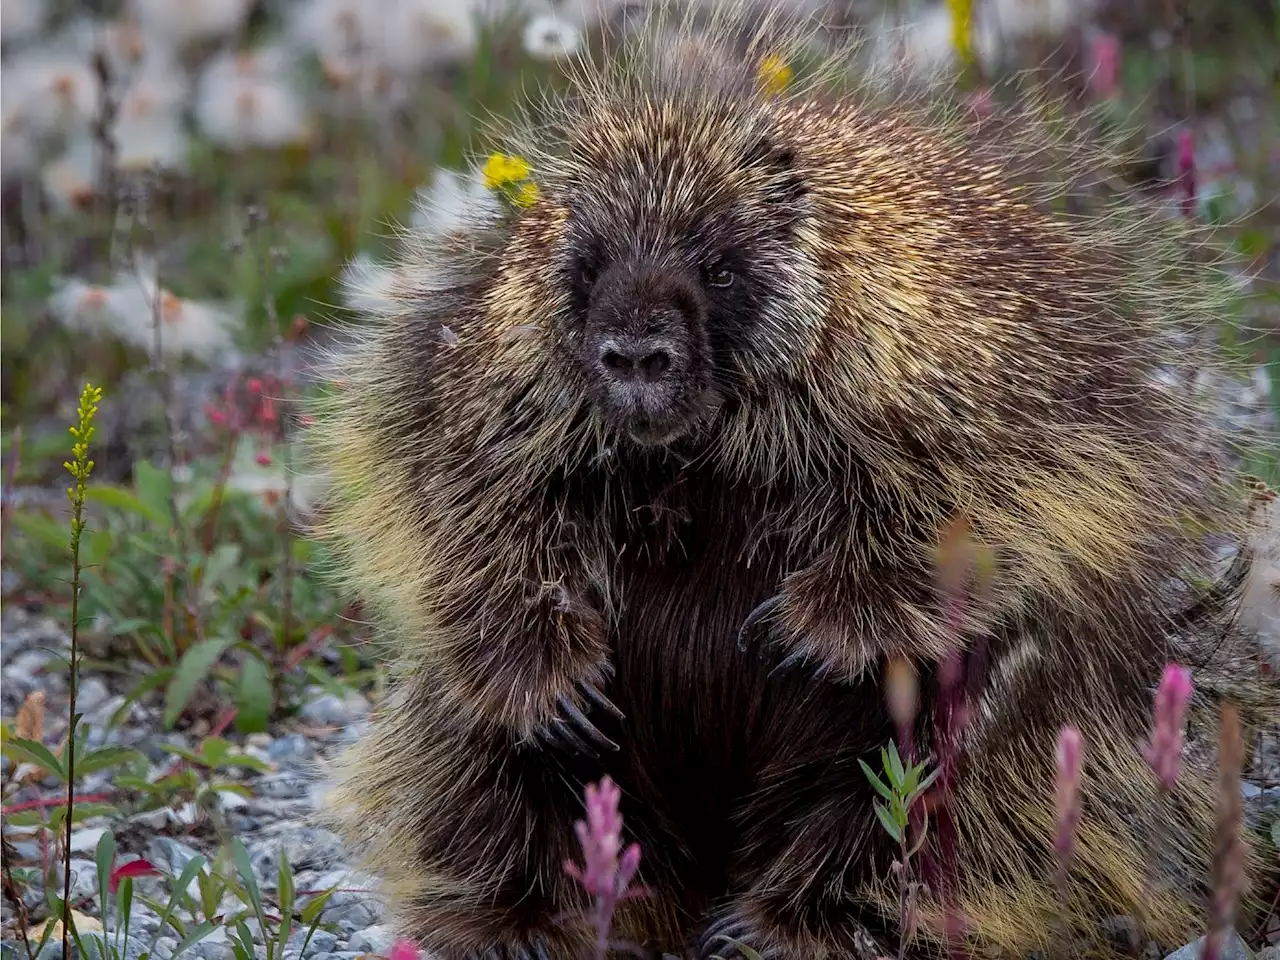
(675, 240)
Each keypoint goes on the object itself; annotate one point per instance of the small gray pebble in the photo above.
(322, 941)
(91, 694)
(376, 939)
(1233, 949)
(165, 947)
(293, 747)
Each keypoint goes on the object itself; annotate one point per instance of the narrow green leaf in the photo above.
(191, 939)
(120, 498)
(285, 894)
(254, 696)
(876, 782)
(25, 819)
(246, 939)
(886, 821)
(104, 758)
(195, 666)
(899, 775)
(315, 906)
(311, 915)
(154, 486)
(240, 857)
(87, 811)
(33, 751)
(746, 951)
(104, 858)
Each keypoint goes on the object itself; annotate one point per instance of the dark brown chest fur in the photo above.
(708, 725)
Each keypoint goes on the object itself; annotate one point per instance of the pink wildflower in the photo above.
(604, 875)
(1187, 171)
(1104, 53)
(1164, 752)
(263, 459)
(403, 949)
(1070, 749)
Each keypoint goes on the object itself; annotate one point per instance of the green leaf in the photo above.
(747, 952)
(214, 750)
(191, 939)
(87, 811)
(886, 821)
(240, 857)
(899, 775)
(254, 696)
(154, 486)
(104, 858)
(152, 681)
(33, 751)
(43, 530)
(121, 498)
(315, 907)
(124, 903)
(285, 894)
(876, 782)
(246, 951)
(25, 818)
(195, 666)
(177, 891)
(104, 758)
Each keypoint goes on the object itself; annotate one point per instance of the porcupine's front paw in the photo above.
(572, 729)
(824, 624)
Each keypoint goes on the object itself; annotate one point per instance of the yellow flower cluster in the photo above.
(774, 74)
(962, 29)
(510, 174)
(80, 466)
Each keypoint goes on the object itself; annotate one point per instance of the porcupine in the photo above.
(644, 477)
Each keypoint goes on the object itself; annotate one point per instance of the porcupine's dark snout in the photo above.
(645, 348)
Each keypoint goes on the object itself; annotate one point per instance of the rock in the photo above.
(91, 693)
(167, 852)
(322, 941)
(304, 847)
(282, 786)
(164, 948)
(84, 877)
(290, 749)
(86, 840)
(330, 710)
(216, 946)
(1233, 949)
(377, 939)
(133, 949)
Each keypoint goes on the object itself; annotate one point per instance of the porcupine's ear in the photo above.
(778, 161)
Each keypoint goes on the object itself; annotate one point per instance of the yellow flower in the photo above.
(527, 193)
(962, 28)
(774, 74)
(501, 169)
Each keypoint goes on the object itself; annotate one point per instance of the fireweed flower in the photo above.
(1164, 751)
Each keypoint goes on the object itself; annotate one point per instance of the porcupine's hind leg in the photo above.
(468, 829)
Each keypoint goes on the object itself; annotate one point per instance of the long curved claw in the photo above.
(754, 618)
(601, 701)
(561, 735)
(579, 720)
(573, 730)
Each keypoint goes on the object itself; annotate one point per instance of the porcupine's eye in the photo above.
(718, 275)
